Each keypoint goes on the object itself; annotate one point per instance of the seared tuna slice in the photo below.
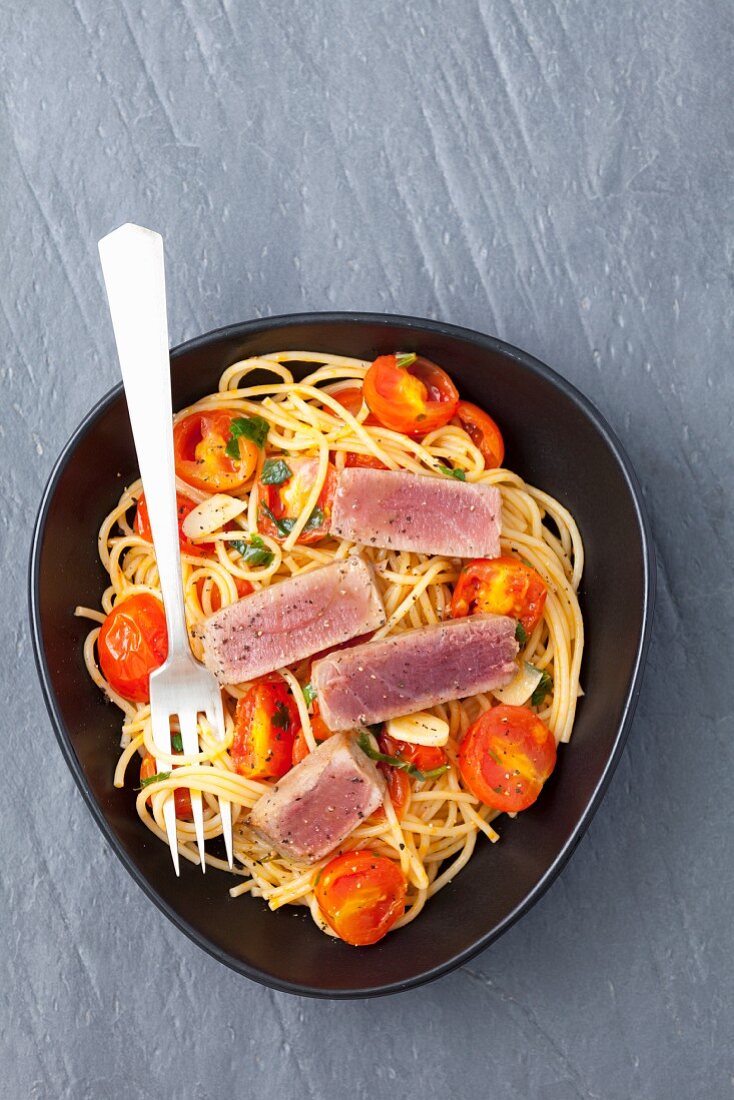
(317, 804)
(291, 620)
(415, 670)
(397, 510)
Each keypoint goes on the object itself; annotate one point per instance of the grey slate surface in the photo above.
(557, 173)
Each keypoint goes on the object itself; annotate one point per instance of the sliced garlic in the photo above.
(419, 729)
(519, 690)
(211, 514)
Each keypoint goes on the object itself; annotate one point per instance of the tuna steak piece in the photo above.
(291, 620)
(396, 510)
(319, 802)
(414, 670)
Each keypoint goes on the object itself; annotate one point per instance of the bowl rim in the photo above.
(63, 736)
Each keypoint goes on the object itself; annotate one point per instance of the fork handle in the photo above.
(134, 275)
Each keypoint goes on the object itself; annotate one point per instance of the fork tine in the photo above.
(190, 740)
(215, 718)
(162, 739)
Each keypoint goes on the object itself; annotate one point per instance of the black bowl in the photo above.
(556, 440)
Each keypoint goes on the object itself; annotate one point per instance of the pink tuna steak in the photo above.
(417, 669)
(396, 510)
(291, 620)
(320, 801)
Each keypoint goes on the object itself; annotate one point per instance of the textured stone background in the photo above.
(557, 173)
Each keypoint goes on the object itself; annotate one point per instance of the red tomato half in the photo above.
(181, 796)
(199, 444)
(361, 895)
(415, 398)
(320, 731)
(266, 724)
(500, 586)
(398, 785)
(506, 757)
(183, 506)
(132, 643)
(423, 757)
(286, 501)
(483, 432)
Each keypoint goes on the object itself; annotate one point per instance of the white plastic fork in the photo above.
(134, 275)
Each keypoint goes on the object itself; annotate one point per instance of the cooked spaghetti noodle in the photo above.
(435, 836)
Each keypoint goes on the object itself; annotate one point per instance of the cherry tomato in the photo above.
(320, 731)
(423, 757)
(199, 444)
(351, 398)
(266, 724)
(181, 796)
(132, 643)
(501, 586)
(398, 785)
(183, 506)
(415, 398)
(361, 895)
(483, 432)
(286, 501)
(506, 757)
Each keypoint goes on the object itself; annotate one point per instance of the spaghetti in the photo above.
(435, 834)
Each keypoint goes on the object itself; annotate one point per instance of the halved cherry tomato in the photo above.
(500, 586)
(181, 796)
(266, 724)
(132, 643)
(286, 501)
(361, 895)
(199, 444)
(398, 786)
(415, 398)
(320, 731)
(351, 398)
(506, 757)
(183, 507)
(483, 432)
(423, 757)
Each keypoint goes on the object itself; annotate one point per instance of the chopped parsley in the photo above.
(405, 359)
(254, 428)
(309, 694)
(282, 716)
(254, 552)
(285, 525)
(521, 633)
(396, 762)
(157, 778)
(458, 473)
(543, 688)
(275, 472)
(177, 742)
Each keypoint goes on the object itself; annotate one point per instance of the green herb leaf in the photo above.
(309, 694)
(157, 778)
(254, 552)
(521, 633)
(282, 716)
(285, 525)
(406, 359)
(544, 687)
(458, 473)
(395, 761)
(254, 428)
(176, 742)
(275, 472)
